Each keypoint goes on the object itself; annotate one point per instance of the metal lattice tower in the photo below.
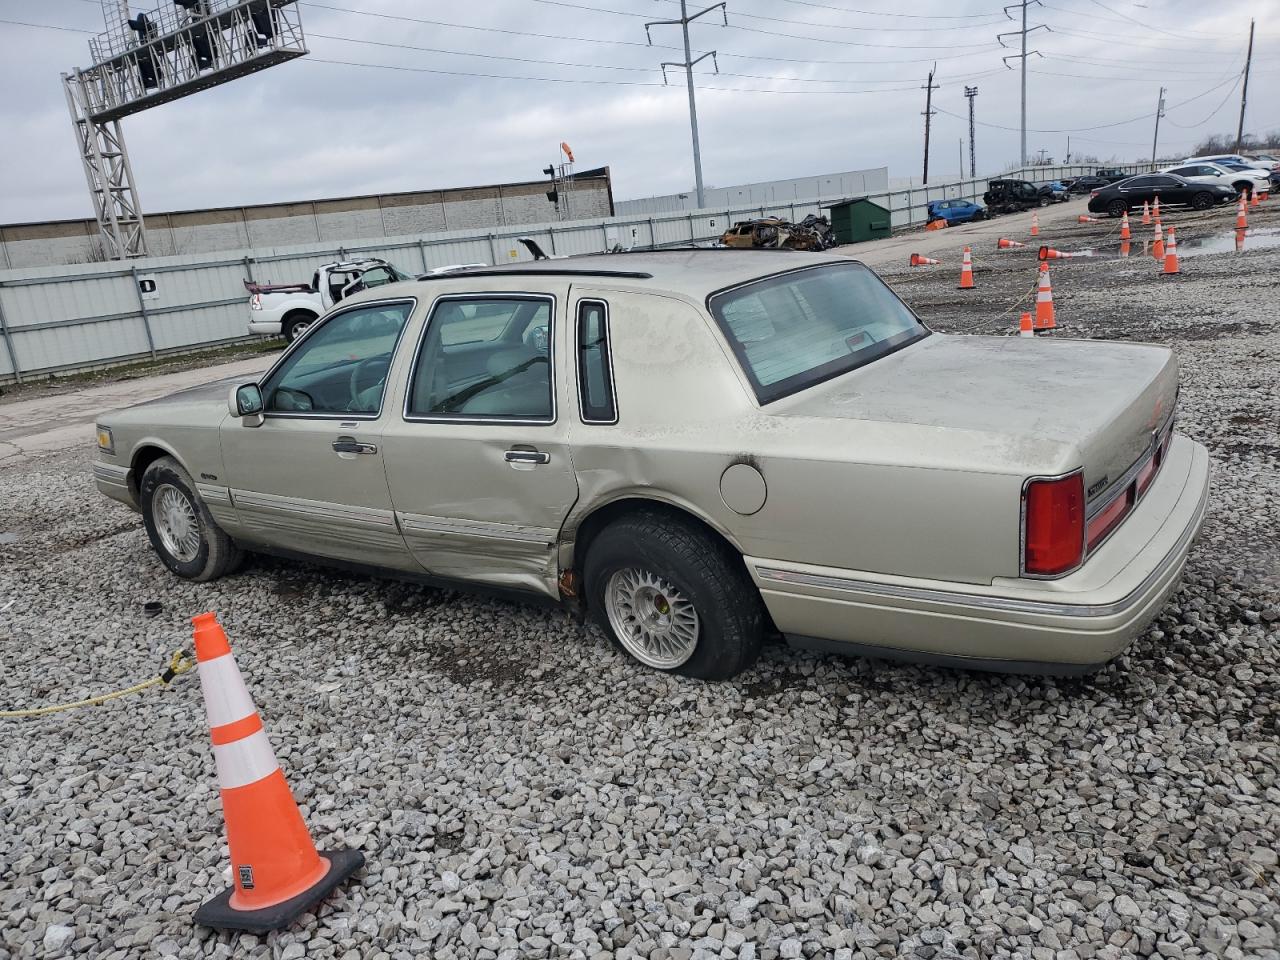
(157, 57)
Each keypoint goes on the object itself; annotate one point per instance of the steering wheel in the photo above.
(357, 371)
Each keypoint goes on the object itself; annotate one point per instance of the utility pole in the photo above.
(1023, 57)
(688, 66)
(928, 88)
(1244, 94)
(1068, 148)
(970, 92)
(1155, 139)
(961, 158)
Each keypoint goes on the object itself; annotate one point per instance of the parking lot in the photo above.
(521, 790)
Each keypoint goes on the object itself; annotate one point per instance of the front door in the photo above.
(478, 463)
(311, 477)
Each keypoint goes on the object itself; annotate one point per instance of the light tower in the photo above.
(157, 57)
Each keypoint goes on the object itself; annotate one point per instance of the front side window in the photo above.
(595, 369)
(341, 367)
(485, 358)
(798, 329)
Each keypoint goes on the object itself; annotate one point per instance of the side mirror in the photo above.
(245, 402)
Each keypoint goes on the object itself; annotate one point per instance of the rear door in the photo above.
(477, 457)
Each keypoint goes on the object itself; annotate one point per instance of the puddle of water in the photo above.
(1255, 238)
(6, 537)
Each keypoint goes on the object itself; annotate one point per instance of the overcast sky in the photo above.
(806, 87)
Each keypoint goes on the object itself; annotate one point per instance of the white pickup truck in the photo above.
(289, 308)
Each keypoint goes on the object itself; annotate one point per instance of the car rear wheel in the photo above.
(1202, 201)
(1045, 201)
(182, 531)
(1117, 208)
(674, 597)
(295, 325)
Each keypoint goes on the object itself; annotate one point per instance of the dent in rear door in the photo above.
(478, 462)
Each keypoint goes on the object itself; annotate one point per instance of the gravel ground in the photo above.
(522, 791)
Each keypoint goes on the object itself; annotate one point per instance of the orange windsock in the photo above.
(1085, 218)
(1044, 301)
(966, 271)
(919, 261)
(1004, 243)
(1171, 255)
(1124, 227)
(1024, 326)
(1157, 248)
(1035, 224)
(1242, 220)
(1146, 214)
(278, 873)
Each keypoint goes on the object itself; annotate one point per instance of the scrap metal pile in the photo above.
(811, 233)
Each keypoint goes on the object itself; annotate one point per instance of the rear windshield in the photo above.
(798, 329)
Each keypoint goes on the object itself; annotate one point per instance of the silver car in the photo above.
(697, 448)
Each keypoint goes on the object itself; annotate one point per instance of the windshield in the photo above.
(795, 330)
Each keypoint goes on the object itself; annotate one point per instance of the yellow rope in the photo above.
(179, 664)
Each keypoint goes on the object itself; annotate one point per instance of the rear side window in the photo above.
(595, 365)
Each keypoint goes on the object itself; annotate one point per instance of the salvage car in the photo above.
(1115, 199)
(1007, 195)
(955, 211)
(697, 448)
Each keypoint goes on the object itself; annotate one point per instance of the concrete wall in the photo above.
(854, 183)
(341, 220)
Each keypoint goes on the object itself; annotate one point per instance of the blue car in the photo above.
(956, 211)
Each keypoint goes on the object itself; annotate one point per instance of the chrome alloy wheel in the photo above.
(176, 523)
(656, 623)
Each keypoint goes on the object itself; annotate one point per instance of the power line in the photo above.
(1023, 58)
(45, 26)
(866, 29)
(877, 13)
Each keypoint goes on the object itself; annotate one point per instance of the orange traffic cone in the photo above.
(1048, 253)
(1171, 255)
(1146, 214)
(1024, 326)
(1035, 224)
(1085, 218)
(1044, 301)
(919, 261)
(1157, 248)
(1255, 200)
(1242, 219)
(1124, 227)
(1006, 244)
(966, 271)
(1155, 210)
(279, 875)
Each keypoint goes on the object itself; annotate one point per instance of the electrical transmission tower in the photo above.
(928, 89)
(971, 92)
(688, 65)
(165, 54)
(1023, 4)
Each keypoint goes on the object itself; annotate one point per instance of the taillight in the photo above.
(1092, 194)
(1053, 525)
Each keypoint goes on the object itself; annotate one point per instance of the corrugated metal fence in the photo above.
(65, 318)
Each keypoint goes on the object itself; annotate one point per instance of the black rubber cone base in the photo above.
(219, 914)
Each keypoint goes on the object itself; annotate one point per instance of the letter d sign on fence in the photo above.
(148, 289)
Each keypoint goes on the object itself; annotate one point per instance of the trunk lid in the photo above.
(1105, 399)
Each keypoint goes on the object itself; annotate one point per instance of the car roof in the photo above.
(693, 273)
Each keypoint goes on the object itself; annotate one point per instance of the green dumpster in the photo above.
(858, 219)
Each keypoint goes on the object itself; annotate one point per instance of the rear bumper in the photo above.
(1065, 626)
(264, 328)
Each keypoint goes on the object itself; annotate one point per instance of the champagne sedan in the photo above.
(697, 449)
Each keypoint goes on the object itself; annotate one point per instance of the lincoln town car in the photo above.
(699, 449)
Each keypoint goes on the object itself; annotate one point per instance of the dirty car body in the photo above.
(698, 446)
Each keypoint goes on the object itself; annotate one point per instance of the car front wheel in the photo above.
(1202, 201)
(674, 597)
(182, 531)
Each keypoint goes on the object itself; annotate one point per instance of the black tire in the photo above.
(295, 324)
(216, 555)
(1117, 208)
(1245, 187)
(731, 616)
(1202, 201)
(1045, 201)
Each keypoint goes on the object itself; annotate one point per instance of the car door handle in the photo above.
(352, 445)
(527, 456)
